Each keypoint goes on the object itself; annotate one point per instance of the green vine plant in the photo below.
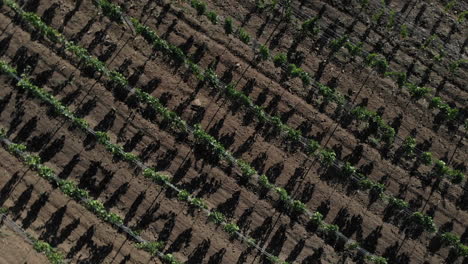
(101, 137)
(373, 60)
(52, 254)
(246, 170)
(70, 189)
(210, 77)
(381, 64)
(160, 44)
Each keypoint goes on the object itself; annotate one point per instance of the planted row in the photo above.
(245, 168)
(97, 207)
(248, 171)
(86, 58)
(383, 131)
(52, 254)
(380, 64)
(70, 189)
(374, 60)
(328, 157)
(175, 53)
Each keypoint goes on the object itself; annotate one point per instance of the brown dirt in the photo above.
(15, 249)
(129, 194)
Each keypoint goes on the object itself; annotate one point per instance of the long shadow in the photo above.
(314, 258)
(34, 210)
(68, 16)
(68, 168)
(199, 52)
(78, 36)
(134, 207)
(49, 13)
(182, 171)
(71, 97)
(228, 139)
(5, 44)
(462, 201)
(167, 228)
(296, 251)
(135, 76)
(43, 77)
(274, 171)
(275, 41)
(170, 29)
(229, 206)
(436, 243)
(354, 225)
(85, 179)
(53, 149)
(276, 242)
(147, 218)
(163, 14)
(307, 192)
(20, 56)
(244, 147)
(261, 232)
(26, 131)
(391, 254)
(198, 254)
(86, 108)
(52, 226)
(305, 127)
(198, 115)
(21, 202)
(355, 156)
(214, 129)
(107, 122)
(149, 150)
(187, 45)
(204, 154)
(24, 63)
(116, 195)
(195, 183)
(182, 240)
(104, 125)
(132, 143)
(341, 219)
(125, 259)
(4, 102)
(371, 241)
(66, 232)
(108, 52)
(124, 67)
(209, 187)
(243, 222)
(90, 180)
(243, 256)
(217, 258)
(31, 6)
(324, 208)
(293, 180)
(8, 187)
(259, 162)
(84, 240)
(165, 161)
(272, 106)
(98, 253)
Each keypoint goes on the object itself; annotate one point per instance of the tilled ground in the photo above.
(156, 212)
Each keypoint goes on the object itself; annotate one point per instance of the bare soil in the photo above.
(156, 213)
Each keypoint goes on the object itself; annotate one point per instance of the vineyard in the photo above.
(252, 131)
